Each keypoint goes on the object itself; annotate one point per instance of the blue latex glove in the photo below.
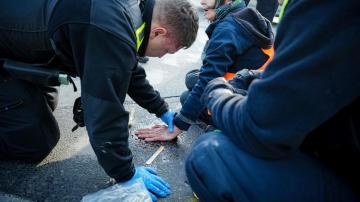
(154, 183)
(168, 118)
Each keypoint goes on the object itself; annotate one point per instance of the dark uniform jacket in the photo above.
(308, 97)
(235, 43)
(96, 40)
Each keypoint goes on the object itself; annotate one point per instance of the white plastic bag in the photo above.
(134, 191)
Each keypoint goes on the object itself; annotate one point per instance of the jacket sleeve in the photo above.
(224, 45)
(313, 76)
(104, 63)
(144, 94)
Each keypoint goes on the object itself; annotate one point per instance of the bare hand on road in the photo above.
(157, 133)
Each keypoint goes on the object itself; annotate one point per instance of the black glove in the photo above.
(214, 89)
(243, 79)
(78, 114)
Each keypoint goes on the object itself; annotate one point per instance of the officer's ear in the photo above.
(158, 31)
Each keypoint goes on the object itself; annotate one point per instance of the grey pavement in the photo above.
(71, 170)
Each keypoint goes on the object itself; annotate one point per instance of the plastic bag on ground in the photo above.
(134, 191)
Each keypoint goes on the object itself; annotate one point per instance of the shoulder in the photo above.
(225, 27)
(228, 24)
(117, 17)
(112, 16)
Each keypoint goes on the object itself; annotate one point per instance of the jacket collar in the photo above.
(147, 7)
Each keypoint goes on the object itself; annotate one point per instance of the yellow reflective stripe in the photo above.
(139, 39)
(283, 8)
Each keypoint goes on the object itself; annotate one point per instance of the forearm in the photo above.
(105, 77)
(106, 123)
(222, 49)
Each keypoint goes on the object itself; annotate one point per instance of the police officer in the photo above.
(99, 41)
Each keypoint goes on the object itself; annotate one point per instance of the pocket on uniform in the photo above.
(10, 105)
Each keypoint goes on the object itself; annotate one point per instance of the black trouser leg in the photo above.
(28, 129)
(51, 95)
(218, 170)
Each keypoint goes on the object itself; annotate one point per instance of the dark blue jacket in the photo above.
(308, 97)
(235, 43)
(95, 39)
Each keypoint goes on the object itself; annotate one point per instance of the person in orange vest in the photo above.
(239, 38)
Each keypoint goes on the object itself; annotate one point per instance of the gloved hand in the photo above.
(214, 89)
(168, 118)
(154, 183)
(243, 79)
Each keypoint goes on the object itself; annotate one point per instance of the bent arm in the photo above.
(309, 80)
(224, 45)
(102, 62)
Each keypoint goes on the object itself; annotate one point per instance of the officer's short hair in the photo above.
(180, 17)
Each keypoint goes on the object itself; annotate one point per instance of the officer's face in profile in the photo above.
(160, 43)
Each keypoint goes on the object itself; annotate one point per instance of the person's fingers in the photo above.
(162, 181)
(156, 190)
(150, 132)
(149, 135)
(153, 197)
(145, 130)
(157, 138)
(138, 132)
(151, 170)
(158, 126)
(165, 137)
(156, 178)
(161, 187)
(159, 135)
(171, 126)
(154, 129)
